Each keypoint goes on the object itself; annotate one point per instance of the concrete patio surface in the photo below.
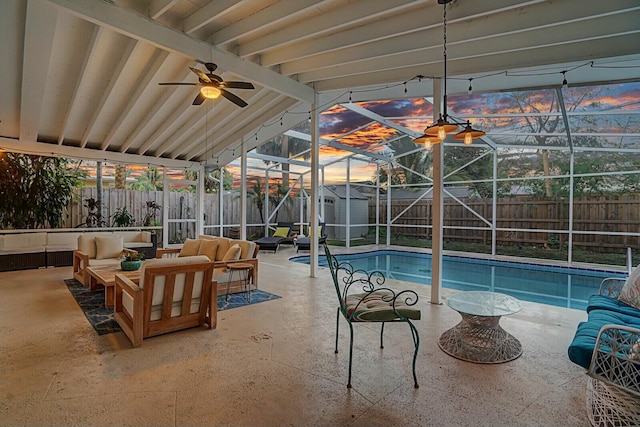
(273, 364)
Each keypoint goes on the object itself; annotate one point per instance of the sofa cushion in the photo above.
(135, 236)
(246, 248)
(584, 341)
(281, 232)
(190, 248)
(630, 293)
(158, 290)
(233, 253)
(87, 243)
(602, 302)
(208, 247)
(109, 247)
(223, 246)
(57, 242)
(23, 243)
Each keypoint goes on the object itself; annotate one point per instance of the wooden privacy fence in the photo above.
(605, 215)
(182, 205)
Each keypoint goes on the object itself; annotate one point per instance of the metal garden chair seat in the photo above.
(374, 304)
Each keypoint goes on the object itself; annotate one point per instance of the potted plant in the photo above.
(123, 218)
(131, 261)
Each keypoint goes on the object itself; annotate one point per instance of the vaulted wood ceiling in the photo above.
(79, 78)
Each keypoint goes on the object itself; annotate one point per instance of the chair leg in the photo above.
(350, 354)
(381, 332)
(416, 342)
(337, 324)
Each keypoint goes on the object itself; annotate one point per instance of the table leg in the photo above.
(109, 296)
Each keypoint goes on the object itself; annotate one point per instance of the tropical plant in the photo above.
(150, 180)
(257, 195)
(150, 216)
(132, 256)
(94, 213)
(35, 190)
(123, 218)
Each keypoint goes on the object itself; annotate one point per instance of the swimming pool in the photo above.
(553, 285)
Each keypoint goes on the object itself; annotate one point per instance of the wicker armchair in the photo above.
(613, 387)
(374, 303)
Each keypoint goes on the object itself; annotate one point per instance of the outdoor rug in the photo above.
(101, 318)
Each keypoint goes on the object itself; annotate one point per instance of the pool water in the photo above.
(559, 286)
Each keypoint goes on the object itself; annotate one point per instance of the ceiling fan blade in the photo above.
(178, 83)
(201, 75)
(199, 99)
(233, 98)
(238, 85)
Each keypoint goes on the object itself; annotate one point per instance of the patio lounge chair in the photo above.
(280, 236)
(374, 303)
(304, 242)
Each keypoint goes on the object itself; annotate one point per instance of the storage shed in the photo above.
(335, 199)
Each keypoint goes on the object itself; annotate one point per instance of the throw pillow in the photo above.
(208, 248)
(232, 254)
(630, 293)
(190, 248)
(281, 232)
(109, 247)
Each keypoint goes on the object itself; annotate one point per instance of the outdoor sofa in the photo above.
(219, 250)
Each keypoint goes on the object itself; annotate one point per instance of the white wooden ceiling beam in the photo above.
(266, 103)
(326, 23)
(235, 140)
(502, 29)
(160, 102)
(55, 150)
(207, 14)
(146, 76)
(477, 66)
(40, 29)
(209, 125)
(171, 121)
(107, 93)
(535, 42)
(395, 26)
(158, 7)
(82, 81)
(141, 28)
(269, 16)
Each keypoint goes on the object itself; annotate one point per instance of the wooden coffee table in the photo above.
(104, 276)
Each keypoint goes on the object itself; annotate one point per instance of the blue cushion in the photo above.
(584, 341)
(601, 302)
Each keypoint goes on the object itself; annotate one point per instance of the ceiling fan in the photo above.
(212, 86)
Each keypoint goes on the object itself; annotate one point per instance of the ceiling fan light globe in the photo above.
(210, 92)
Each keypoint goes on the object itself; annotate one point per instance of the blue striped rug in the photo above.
(101, 318)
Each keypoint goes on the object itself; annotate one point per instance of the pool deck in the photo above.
(273, 363)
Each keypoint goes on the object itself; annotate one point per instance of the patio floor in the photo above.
(273, 364)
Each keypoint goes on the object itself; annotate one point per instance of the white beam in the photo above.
(155, 108)
(138, 27)
(148, 73)
(158, 7)
(107, 92)
(269, 16)
(329, 22)
(55, 150)
(377, 117)
(40, 28)
(208, 13)
(82, 81)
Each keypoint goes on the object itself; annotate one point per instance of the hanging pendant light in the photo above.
(438, 131)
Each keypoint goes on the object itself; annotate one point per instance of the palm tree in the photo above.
(150, 180)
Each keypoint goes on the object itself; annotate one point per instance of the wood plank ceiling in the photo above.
(79, 78)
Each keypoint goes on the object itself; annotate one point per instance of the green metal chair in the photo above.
(374, 303)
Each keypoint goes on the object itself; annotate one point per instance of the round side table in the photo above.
(244, 269)
(478, 337)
